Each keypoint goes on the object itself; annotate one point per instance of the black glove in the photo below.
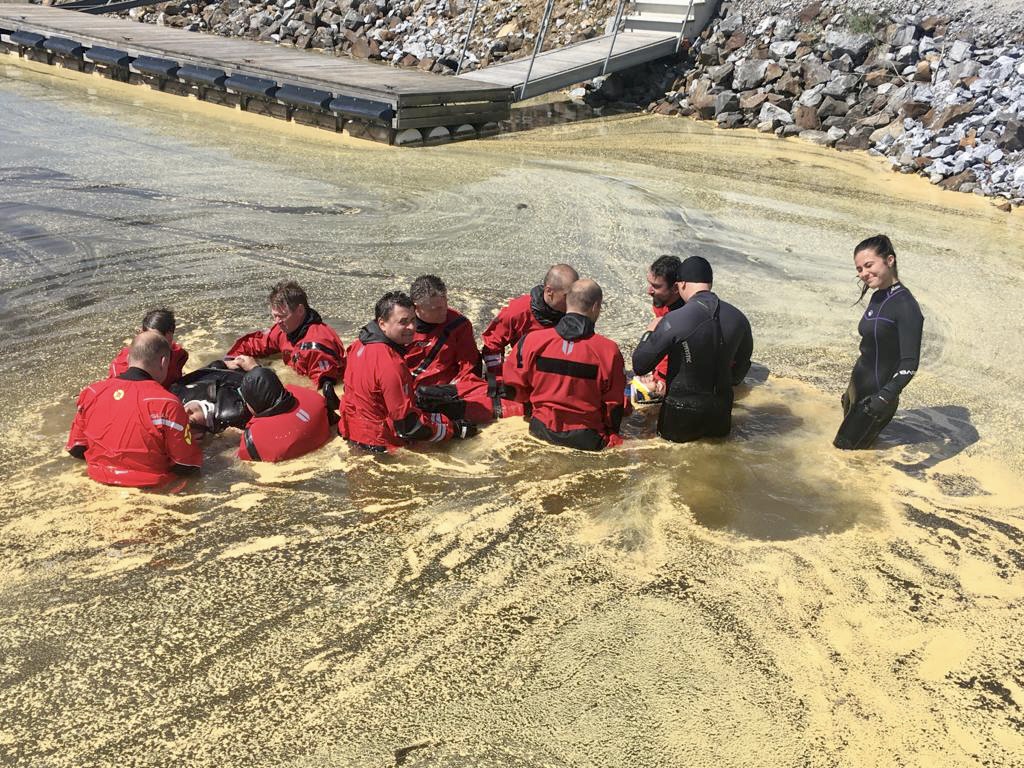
(876, 406)
(327, 390)
(462, 429)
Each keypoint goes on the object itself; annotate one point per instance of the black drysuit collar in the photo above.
(372, 334)
(546, 315)
(573, 327)
(312, 318)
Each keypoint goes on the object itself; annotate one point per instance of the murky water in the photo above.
(761, 600)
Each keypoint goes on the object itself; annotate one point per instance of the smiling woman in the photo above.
(890, 346)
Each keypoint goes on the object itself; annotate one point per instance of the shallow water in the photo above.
(763, 599)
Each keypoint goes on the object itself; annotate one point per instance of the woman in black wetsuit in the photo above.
(890, 345)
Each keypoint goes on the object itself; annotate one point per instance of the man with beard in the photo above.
(661, 287)
(305, 341)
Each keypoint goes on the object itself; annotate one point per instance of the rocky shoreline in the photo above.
(936, 90)
(903, 86)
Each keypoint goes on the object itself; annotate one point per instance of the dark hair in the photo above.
(287, 292)
(667, 268)
(386, 304)
(159, 320)
(882, 246)
(425, 286)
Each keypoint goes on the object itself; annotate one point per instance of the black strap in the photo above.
(566, 367)
(250, 446)
(307, 345)
(436, 349)
(519, 352)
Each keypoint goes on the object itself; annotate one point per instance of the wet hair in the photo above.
(386, 304)
(425, 286)
(882, 246)
(147, 349)
(583, 296)
(159, 320)
(667, 268)
(560, 277)
(289, 293)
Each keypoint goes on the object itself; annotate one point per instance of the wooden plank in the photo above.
(496, 115)
(451, 109)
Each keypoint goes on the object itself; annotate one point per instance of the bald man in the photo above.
(572, 376)
(129, 429)
(542, 307)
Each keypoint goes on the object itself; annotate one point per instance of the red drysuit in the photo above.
(297, 428)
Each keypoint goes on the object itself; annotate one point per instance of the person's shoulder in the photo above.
(605, 342)
(733, 310)
(518, 305)
(456, 317)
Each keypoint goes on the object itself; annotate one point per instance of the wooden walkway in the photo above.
(575, 63)
(418, 99)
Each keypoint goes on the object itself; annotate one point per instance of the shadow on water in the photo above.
(941, 433)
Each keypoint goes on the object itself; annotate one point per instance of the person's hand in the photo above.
(876, 406)
(653, 324)
(327, 390)
(242, 363)
(463, 429)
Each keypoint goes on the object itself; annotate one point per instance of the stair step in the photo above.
(655, 22)
(664, 7)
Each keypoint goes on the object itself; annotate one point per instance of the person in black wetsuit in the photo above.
(708, 343)
(890, 346)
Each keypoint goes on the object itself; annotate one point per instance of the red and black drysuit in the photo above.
(175, 368)
(293, 426)
(574, 379)
(313, 349)
(132, 432)
(527, 313)
(377, 409)
(445, 364)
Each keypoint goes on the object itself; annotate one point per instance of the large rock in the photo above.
(963, 70)
(831, 107)
(775, 115)
(726, 101)
(812, 97)
(806, 117)
(904, 36)
(840, 85)
(814, 72)
(783, 49)
(749, 73)
(752, 101)
(722, 74)
(816, 137)
(788, 84)
(937, 119)
(1012, 139)
(856, 46)
(958, 51)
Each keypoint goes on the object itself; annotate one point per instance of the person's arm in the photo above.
(495, 338)
(614, 393)
(396, 386)
(654, 345)
(466, 353)
(517, 373)
(319, 360)
(741, 360)
(909, 328)
(179, 444)
(76, 439)
(256, 344)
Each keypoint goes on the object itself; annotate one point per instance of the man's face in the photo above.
(400, 327)
(432, 309)
(287, 318)
(662, 293)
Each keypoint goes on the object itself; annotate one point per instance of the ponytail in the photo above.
(882, 246)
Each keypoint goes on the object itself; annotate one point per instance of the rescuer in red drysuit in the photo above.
(444, 361)
(378, 412)
(286, 422)
(129, 429)
(573, 377)
(542, 307)
(161, 321)
(661, 287)
(305, 341)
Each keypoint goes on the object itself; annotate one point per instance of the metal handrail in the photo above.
(469, 32)
(615, 34)
(682, 29)
(539, 45)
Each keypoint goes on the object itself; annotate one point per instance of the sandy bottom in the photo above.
(763, 600)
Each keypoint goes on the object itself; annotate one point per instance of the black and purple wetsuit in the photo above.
(890, 347)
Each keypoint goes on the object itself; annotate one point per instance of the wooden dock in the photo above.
(371, 100)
